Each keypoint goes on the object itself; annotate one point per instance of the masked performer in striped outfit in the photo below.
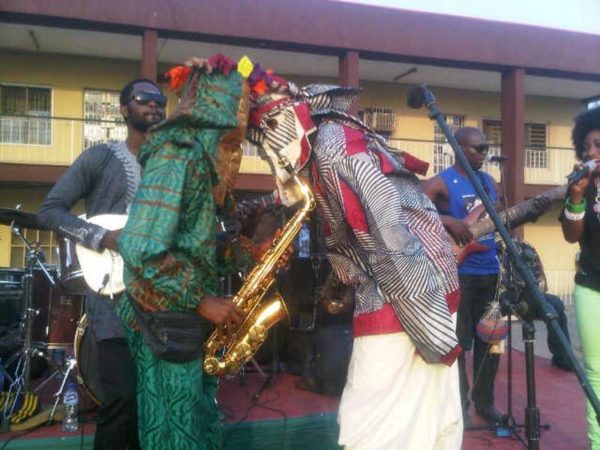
(385, 239)
(168, 246)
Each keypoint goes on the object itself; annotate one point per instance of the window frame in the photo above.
(528, 145)
(49, 118)
(101, 121)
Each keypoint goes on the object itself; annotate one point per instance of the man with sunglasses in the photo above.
(106, 177)
(455, 197)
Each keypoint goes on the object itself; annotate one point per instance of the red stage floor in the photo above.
(559, 398)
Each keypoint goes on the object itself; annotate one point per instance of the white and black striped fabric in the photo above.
(384, 236)
(399, 254)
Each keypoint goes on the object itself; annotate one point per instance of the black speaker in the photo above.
(333, 346)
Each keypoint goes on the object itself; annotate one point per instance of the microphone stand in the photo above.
(528, 329)
(421, 95)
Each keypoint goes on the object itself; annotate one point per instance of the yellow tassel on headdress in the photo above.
(245, 67)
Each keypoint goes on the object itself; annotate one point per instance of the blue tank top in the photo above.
(462, 200)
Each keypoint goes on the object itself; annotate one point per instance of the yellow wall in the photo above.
(29, 198)
(68, 77)
(546, 236)
(557, 113)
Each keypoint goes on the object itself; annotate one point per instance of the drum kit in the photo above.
(47, 304)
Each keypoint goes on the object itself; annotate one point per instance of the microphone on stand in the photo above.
(582, 172)
(419, 95)
(496, 158)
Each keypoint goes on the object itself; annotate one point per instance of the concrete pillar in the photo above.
(513, 134)
(513, 131)
(149, 60)
(349, 73)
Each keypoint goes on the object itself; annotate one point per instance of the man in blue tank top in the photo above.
(455, 197)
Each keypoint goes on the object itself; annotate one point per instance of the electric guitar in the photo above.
(103, 271)
(517, 215)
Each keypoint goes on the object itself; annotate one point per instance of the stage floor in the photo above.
(284, 417)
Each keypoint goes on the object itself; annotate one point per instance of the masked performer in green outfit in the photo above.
(169, 250)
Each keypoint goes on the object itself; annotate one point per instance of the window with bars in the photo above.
(25, 115)
(46, 241)
(102, 119)
(382, 120)
(536, 155)
(493, 130)
(443, 156)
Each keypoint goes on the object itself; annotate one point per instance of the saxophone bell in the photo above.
(251, 335)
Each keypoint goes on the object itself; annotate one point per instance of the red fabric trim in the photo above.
(353, 210)
(453, 300)
(385, 164)
(415, 165)
(383, 321)
(256, 115)
(451, 357)
(355, 141)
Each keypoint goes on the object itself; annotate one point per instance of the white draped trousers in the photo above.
(394, 400)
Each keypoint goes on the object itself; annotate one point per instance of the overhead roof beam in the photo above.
(333, 27)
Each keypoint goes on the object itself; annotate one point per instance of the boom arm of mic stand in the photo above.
(549, 315)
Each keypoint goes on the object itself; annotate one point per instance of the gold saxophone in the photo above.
(231, 346)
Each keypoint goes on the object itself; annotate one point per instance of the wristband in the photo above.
(580, 208)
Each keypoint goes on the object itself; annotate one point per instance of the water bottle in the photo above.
(304, 242)
(71, 402)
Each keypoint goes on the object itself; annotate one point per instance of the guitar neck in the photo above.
(517, 215)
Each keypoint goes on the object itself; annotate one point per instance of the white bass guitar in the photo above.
(103, 271)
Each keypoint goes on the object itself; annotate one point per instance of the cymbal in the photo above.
(22, 219)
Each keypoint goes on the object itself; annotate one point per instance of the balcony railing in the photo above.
(542, 166)
(54, 141)
(58, 141)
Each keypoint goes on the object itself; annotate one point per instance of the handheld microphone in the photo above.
(419, 96)
(496, 158)
(582, 172)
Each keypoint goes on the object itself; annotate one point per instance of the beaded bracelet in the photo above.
(580, 208)
(574, 217)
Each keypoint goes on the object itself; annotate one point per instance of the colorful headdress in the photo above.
(213, 94)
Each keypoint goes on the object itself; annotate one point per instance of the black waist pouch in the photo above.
(174, 336)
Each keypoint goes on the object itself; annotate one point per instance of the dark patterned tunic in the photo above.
(385, 238)
(106, 176)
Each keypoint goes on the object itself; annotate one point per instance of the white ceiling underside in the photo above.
(30, 38)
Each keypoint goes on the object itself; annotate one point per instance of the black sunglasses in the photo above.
(143, 98)
(481, 147)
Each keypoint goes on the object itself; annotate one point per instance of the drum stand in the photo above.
(20, 383)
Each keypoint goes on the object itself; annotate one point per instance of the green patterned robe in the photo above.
(168, 246)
